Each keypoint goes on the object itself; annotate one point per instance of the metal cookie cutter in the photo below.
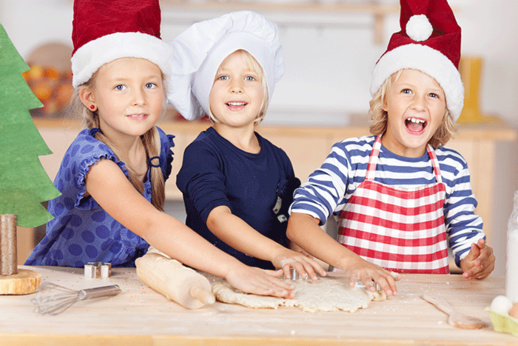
(295, 275)
(360, 284)
(98, 270)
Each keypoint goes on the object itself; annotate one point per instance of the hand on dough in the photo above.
(304, 265)
(260, 281)
(359, 269)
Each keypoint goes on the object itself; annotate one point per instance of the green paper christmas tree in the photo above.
(24, 184)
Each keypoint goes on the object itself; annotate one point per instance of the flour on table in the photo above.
(327, 294)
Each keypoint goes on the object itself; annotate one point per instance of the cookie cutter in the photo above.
(360, 284)
(294, 275)
(98, 270)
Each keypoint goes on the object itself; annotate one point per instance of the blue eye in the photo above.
(249, 78)
(120, 87)
(406, 91)
(434, 95)
(223, 77)
(150, 85)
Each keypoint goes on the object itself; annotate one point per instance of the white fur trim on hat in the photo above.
(92, 55)
(427, 60)
(199, 51)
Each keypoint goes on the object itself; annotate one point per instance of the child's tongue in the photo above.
(414, 127)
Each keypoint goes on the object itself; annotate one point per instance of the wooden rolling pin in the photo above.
(175, 281)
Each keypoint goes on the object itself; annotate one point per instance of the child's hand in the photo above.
(297, 248)
(359, 269)
(261, 282)
(304, 265)
(479, 262)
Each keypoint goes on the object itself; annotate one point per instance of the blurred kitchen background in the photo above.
(330, 48)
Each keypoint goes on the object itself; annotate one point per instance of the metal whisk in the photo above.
(53, 299)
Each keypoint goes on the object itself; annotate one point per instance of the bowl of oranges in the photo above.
(50, 78)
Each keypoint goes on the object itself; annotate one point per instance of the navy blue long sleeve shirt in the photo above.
(216, 173)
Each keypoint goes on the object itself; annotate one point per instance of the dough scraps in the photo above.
(327, 294)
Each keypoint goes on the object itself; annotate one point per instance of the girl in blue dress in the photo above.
(112, 176)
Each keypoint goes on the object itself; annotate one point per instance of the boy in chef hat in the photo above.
(237, 186)
(400, 196)
(112, 176)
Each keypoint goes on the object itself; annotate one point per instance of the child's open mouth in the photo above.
(138, 116)
(415, 125)
(236, 105)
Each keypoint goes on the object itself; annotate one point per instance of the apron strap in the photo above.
(435, 163)
(373, 161)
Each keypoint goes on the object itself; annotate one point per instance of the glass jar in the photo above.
(511, 287)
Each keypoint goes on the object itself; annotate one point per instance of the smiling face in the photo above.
(237, 95)
(128, 94)
(416, 106)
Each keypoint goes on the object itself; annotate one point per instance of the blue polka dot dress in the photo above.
(81, 230)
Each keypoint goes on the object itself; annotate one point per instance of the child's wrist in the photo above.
(229, 269)
(349, 260)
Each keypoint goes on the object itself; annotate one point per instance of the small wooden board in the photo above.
(24, 282)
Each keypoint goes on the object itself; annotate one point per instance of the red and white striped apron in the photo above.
(400, 229)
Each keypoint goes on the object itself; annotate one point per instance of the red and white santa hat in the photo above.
(106, 30)
(429, 41)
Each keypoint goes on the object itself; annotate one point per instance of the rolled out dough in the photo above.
(327, 294)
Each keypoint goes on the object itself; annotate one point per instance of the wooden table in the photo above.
(141, 316)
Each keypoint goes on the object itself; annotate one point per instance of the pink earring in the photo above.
(92, 107)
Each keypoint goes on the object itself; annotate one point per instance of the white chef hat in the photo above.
(199, 50)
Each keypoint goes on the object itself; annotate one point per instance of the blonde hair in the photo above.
(255, 67)
(150, 140)
(379, 117)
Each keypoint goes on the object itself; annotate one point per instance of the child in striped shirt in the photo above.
(400, 196)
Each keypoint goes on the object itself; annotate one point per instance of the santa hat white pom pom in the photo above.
(419, 28)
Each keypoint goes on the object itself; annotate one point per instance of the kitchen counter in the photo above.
(141, 316)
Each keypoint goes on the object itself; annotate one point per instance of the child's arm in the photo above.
(303, 230)
(465, 233)
(108, 185)
(242, 237)
(479, 262)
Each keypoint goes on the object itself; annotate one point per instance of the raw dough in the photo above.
(327, 294)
